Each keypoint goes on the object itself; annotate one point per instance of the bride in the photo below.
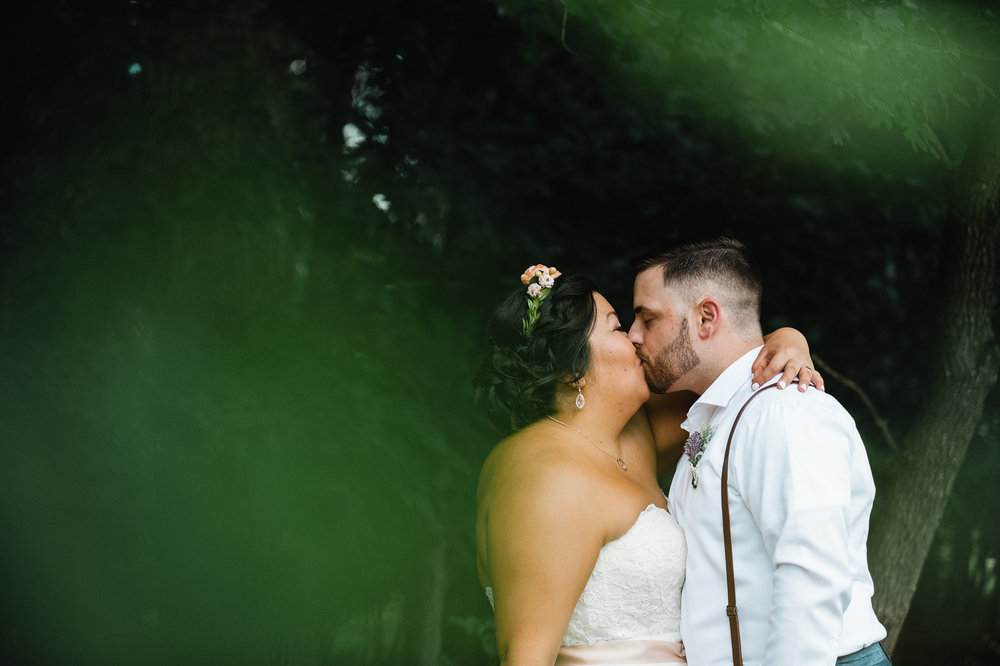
(578, 553)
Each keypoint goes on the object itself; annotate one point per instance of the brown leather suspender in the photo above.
(734, 620)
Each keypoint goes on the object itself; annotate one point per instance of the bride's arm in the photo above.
(541, 545)
(666, 413)
(785, 351)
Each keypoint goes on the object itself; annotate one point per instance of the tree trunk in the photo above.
(963, 371)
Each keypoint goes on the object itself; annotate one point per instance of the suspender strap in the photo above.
(731, 611)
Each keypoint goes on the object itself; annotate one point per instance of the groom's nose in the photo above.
(634, 336)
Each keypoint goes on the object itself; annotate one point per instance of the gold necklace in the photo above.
(621, 463)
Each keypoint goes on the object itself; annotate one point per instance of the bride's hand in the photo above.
(787, 352)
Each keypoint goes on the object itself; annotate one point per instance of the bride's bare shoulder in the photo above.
(530, 464)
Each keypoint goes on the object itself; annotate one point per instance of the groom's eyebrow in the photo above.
(642, 309)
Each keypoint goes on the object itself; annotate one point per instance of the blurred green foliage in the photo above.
(235, 412)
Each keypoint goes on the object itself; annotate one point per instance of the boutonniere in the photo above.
(694, 449)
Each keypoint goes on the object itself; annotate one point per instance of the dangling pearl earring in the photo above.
(580, 400)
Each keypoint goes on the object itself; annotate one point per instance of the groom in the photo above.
(800, 487)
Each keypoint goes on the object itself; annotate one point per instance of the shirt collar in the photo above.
(725, 386)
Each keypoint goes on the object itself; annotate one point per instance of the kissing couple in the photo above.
(758, 556)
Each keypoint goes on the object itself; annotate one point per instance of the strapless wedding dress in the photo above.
(630, 609)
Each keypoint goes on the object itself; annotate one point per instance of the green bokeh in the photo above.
(229, 422)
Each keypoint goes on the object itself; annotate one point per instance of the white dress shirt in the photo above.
(800, 495)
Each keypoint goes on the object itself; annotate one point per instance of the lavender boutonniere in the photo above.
(694, 449)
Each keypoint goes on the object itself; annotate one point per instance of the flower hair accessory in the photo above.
(694, 448)
(540, 279)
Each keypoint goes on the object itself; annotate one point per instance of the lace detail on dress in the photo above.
(634, 591)
(635, 588)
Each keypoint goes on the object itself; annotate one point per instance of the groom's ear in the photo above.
(707, 317)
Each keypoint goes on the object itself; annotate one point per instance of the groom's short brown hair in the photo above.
(724, 262)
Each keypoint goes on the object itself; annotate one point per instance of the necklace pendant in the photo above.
(621, 463)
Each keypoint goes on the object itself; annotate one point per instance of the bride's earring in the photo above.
(580, 400)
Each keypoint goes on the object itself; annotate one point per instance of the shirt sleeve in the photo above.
(792, 470)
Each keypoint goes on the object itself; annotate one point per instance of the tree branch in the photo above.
(562, 36)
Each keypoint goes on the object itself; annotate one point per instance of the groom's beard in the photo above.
(672, 362)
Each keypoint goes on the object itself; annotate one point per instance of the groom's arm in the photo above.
(794, 474)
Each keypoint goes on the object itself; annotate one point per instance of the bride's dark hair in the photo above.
(521, 374)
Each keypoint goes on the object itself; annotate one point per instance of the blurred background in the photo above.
(248, 250)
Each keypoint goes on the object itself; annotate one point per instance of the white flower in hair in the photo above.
(540, 280)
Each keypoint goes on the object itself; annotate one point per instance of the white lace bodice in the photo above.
(634, 591)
